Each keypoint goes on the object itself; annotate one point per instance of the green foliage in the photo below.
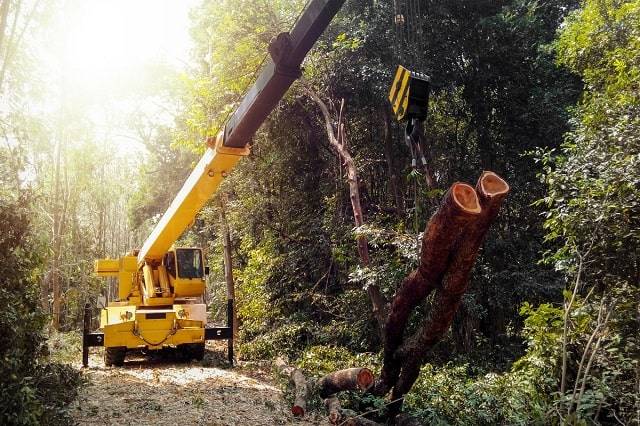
(288, 339)
(32, 392)
(253, 306)
(450, 394)
(593, 206)
(320, 360)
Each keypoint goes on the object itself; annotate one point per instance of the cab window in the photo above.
(189, 263)
(170, 263)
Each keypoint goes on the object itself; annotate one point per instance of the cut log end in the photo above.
(365, 379)
(297, 410)
(466, 198)
(492, 185)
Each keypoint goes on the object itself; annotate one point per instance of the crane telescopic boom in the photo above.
(287, 51)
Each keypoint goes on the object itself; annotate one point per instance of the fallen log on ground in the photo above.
(301, 392)
(342, 380)
(327, 387)
(333, 407)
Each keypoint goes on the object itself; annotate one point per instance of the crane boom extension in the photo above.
(287, 52)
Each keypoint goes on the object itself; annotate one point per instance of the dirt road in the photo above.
(160, 392)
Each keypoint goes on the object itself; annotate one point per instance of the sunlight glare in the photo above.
(110, 39)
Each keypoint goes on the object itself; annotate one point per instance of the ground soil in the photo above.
(160, 391)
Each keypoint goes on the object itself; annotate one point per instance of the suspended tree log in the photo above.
(450, 247)
(460, 207)
(301, 392)
(491, 190)
(342, 380)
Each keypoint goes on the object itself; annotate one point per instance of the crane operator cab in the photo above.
(186, 271)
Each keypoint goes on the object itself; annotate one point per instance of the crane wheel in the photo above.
(187, 352)
(197, 351)
(114, 356)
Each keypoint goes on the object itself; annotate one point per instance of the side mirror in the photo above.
(206, 270)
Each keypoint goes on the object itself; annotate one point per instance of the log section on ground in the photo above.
(300, 384)
(342, 380)
(333, 408)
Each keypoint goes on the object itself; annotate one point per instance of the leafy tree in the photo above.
(593, 203)
(32, 391)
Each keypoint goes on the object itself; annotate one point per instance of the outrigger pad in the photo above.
(409, 94)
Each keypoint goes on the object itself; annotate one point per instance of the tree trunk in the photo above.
(342, 380)
(4, 12)
(333, 408)
(491, 190)
(460, 207)
(56, 237)
(300, 384)
(228, 261)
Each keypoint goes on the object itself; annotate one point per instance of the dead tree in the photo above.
(338, 141)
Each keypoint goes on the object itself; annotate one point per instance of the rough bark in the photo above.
(301, 392)
(337, 139)
(491, 190)
(342, 380)
(334, 410)
(460, 207)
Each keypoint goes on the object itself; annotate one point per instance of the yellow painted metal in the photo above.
(107, 267)
(129, 263)
(128, 267)
(399, 92)
(149, 282)
(201, 184)
(126, 334)
(146, 287)
(134, 328)
(163, 279)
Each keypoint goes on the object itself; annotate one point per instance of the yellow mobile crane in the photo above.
(161, 287)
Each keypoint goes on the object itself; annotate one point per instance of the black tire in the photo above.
(197, 351)
(115, 356)
(189, 351)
